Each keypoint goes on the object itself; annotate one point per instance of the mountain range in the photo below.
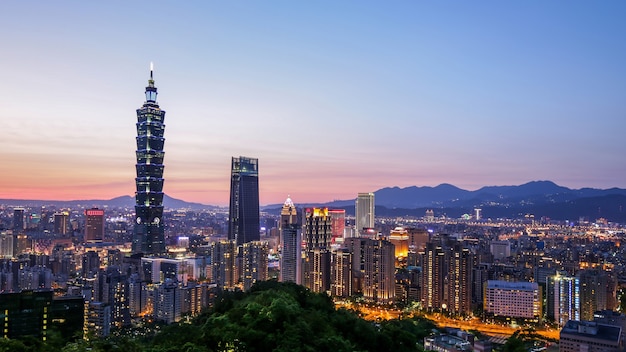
(540, 198)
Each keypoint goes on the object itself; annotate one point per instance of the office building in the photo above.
(244, 219)
(6, 245)
(61, 223)
(513, 299)
(317, 238)
(562, 298)
(500, 249)
(149, 231)
(337, 224)
(290, 241)
(399, 237)
(34, 312)
(18, 220)
(254, 263)
(588, 336)
(94, 225)
(364, 212)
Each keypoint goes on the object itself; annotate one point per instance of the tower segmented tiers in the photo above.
(149, 234)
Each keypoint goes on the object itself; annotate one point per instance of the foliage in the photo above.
(271, 316)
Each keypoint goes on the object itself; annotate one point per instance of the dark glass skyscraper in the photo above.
(244, 221)
(149, 234)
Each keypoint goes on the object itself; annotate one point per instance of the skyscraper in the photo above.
(338, 224)
(364, 212)
(317, 237)
(94, 225)
(446, 276)
(290, 240)
(149, 235)
(18, 220)
(61, 223)
(244, 220)
(563, 298)
(379, 279)
(254, 263)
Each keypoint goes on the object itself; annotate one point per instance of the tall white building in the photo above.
(364, 211)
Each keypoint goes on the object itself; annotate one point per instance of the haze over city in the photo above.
(332, 98)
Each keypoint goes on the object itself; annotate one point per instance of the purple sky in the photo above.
(334, 98)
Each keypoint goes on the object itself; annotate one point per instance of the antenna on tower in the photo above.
(151, 68)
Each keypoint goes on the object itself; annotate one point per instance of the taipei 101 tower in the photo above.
(149, 234)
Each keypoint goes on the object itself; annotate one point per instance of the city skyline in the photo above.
(333, 99)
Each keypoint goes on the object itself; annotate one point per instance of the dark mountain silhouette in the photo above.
(118, 202)
(540, 198)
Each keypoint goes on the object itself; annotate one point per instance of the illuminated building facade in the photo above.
(337, 224)
(513, 299)
(399, 237)
(341, 273)
(446, 276)
(317, 238)
(364, 212)
(594, 284)
(94, 225)
(149, 232)
(379, 274)
(290, 241)
(254, 262)
(244, 218)
(223, 270)
(563, 298)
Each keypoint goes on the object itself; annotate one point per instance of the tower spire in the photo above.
(151, 91)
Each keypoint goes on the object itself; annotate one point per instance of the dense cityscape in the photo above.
(90, 272)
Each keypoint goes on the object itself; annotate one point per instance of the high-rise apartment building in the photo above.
(379, 275)
(254, 262)
(290, 241)
(94, 225)
(341, 273)
(317, 238)
(244, 219)
(563, 298)
(364, 212)
(149, 231)
(446, 276)
(223, 270)
(593, 292)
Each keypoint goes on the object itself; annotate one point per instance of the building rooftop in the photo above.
(592, 329)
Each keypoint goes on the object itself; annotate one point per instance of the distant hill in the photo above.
(540, 198)
(118, 202)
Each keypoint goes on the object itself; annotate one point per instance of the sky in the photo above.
(332, 97)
